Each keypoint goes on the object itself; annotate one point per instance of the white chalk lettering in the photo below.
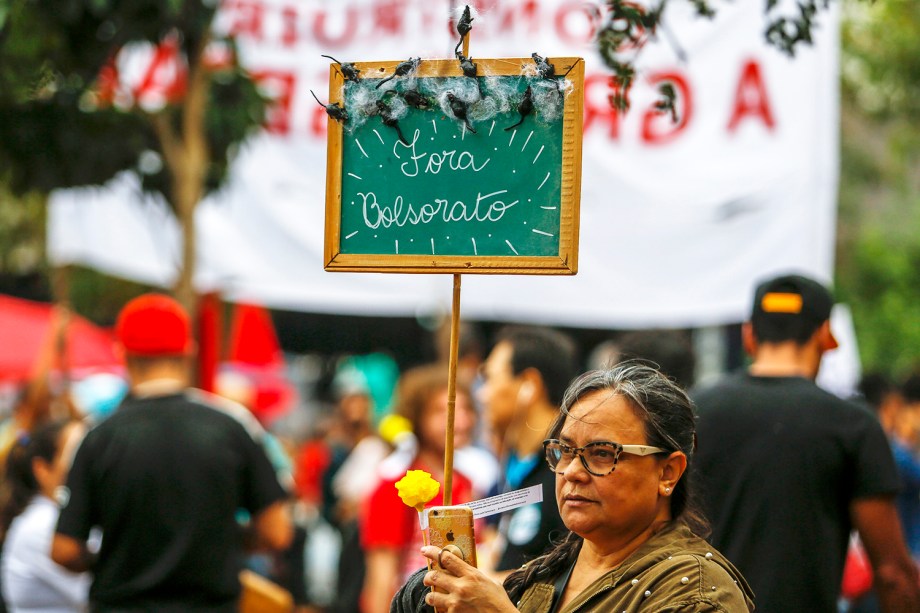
(463, 161)
(410, 168)
(437, 161)
(487, 208)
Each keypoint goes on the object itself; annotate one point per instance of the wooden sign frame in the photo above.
(565, 262)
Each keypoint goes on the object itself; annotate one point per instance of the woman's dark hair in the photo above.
(19, 483)
(670, 423)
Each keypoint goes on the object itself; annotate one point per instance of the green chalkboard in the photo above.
(439, 172)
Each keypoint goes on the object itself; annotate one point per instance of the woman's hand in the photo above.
(458, 587)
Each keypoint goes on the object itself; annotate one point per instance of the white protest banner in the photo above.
(677, 219)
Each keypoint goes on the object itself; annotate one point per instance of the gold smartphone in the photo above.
(451, 528)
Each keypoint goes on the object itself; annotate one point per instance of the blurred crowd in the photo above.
(354, 543)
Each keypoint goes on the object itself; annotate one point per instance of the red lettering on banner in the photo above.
(668, 130)
(166, 75)
(389, 16)
(598, 108)
(528, 11)
(289, 37)
(586, 13)
(751, 99)
(319, 122)
(248, 18)
(345, 37)
(279, 86)
(426, 20)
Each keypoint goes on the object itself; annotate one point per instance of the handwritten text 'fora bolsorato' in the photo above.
(488, 207)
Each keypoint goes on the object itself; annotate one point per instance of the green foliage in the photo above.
(23, 64)
(629, 26)
(22, 234)
(787, 32)
(60, 45)
(878, 251)
(54, 130)
(619, 41)
(89, 31)
(884, 295)
(667, 102)
(50, 143)
(882, 61)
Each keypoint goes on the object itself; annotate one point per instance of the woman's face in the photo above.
(619, 506)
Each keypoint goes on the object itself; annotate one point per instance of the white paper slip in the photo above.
(506, 502)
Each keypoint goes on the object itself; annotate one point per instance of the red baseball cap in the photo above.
(154, 325)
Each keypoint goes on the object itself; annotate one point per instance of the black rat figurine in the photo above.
(333, 110)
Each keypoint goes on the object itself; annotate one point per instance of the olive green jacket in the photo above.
(673, 571)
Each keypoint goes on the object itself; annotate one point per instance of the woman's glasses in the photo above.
(599, 458)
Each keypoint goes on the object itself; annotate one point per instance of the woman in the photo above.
(36, 468)
(620, 449)
(390, 532)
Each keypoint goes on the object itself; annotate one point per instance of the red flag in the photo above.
(255, 353)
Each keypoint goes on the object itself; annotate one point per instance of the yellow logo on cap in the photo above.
(776, 302)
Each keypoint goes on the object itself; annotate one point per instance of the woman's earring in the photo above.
(667, 490)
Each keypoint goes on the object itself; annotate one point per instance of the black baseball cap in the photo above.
(790, 307)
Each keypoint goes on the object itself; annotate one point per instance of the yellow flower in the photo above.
(393, 426)
(417, 488)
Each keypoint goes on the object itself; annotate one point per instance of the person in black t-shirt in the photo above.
(164, 478)
(788, 469)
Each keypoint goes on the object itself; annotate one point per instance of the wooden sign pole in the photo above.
(452, 392)
(452, 366)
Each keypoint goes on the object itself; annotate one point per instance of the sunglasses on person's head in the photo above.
(599, 458)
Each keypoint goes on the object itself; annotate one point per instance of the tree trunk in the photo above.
(185, 207)
(186, 154)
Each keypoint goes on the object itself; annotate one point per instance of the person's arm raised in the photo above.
(462, 587)
(895, 574)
